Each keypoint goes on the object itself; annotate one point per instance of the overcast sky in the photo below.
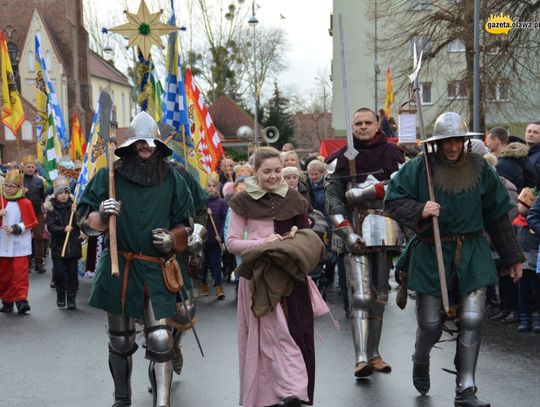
(306, 23)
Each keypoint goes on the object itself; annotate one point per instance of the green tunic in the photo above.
(144, 208)
(465, 212)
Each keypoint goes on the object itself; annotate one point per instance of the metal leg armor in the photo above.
(121, 346)
(470, 321)
(429, 319)
(360, 297)
(379, 277)
(160, 352)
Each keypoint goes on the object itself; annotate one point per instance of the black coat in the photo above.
(57, 219)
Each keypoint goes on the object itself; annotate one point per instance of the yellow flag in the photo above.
(12, 111)
(389, 93)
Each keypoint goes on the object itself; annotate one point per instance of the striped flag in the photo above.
(52, 105)
(78, 145)
(206, 138)
(12, 111)
(174, 107)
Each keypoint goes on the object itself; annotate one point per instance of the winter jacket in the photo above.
(514, 165)
(58, 215)
(534, 157)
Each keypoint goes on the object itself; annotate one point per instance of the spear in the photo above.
(413, 77)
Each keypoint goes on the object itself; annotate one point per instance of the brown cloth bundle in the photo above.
(273, 267)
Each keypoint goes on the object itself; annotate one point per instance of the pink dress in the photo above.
(271, 363)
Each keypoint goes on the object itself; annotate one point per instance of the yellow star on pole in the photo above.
(144, 29)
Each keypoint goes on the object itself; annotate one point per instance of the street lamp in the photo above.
(253, 23)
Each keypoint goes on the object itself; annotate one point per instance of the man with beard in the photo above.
(35, 192)
(152, 204)
(354, 204)
(470, 198)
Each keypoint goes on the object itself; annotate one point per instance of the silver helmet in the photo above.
(142, 127)
(448, 125)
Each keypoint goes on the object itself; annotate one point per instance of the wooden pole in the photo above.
(71, 216)
(113, 245)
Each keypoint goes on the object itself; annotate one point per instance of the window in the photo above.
(425, 91)
(31, 60)
(8, 134)
(499, 91)
(26, 130)
(423, 43)
(12, 51)
(457, 90)
(456, 46)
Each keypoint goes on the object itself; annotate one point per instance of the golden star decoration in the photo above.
(144, 29)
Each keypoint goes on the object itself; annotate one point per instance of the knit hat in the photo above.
(60, 184)
(527, 196)
(478, 147)
(290, 171)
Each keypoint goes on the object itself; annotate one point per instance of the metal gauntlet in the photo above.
(344, 230)
(162, 240)
(109, 207)
(196, 239)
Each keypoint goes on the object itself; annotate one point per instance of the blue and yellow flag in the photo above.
(12, 111)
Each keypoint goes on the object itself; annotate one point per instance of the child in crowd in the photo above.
(529, 284)
(17, 218)
(217, 211)
(59, 209)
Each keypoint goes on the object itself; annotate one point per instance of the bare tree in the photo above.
(509, 64)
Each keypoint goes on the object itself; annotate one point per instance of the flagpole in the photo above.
(71, 215)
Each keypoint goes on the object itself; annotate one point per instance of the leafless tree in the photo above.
(509, 63)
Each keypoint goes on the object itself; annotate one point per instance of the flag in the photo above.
(78, 145)
(206, 136)
(389, 93)
(174, 104)
(12, 111)
(95, 156)
(51, 157)
(51, 101)
(49, 148)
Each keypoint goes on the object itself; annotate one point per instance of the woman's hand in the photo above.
(273, 238)
(2, 212)
(430, 209)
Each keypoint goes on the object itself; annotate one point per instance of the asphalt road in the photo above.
(53, 357)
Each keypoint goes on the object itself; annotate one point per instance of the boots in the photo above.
(536, 328)
(220, 295)
(7, 307)
(71, 304)
(379, 365)
(203, 289)
(420, 377)
(60, 298)
(22, 307)
(467, 398)
(525, 322)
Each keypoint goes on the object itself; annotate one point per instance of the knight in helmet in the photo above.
(470, 198)
(152, 207)
(354, 201)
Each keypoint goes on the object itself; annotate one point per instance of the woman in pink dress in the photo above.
(276, 350)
